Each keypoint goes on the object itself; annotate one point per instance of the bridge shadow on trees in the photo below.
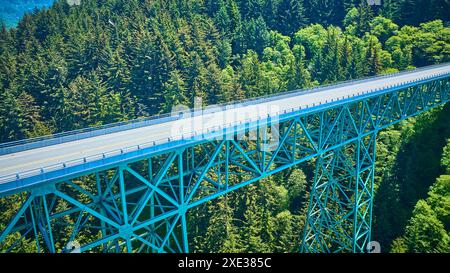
(416, 167)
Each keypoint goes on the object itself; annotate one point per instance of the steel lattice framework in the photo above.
(142, 205)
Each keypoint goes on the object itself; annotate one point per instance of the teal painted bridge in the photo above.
(129, 187)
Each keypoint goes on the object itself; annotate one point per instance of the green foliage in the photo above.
(255, 35)
(383, 28)
(431, 44)
(439, 199)
(72, 67)
(409, 158)
(426, 231)
(325, 12)
(445, 162)
(174, 91)
(222, 235)
(414, 12)
(291, 16)
(297, 185)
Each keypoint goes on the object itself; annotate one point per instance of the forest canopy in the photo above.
(68, 67)
(73, 66)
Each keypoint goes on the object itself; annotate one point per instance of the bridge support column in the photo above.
(339, 216)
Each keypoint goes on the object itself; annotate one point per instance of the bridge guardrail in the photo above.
(192, 135)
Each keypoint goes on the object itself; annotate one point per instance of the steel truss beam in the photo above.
(143, 205)
(339, 216)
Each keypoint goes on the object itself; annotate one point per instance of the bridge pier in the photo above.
(339, 216)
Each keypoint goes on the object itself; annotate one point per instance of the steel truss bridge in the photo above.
(129, 187)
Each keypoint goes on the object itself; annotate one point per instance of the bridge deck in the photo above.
(23, 161)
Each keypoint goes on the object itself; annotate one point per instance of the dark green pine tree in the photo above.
(212, 6)
(325, 12)
(331, 57)
(174, 92)
(414, 12)
(118, 80)
(12, 122)
(251, 8)
(8, 69)
(290, 16)
(298, 76)
(365, 16)
(222, 236)
(390, 9)
(151, 66)
(48, 82)
(104, 105)
(196, 76)
(222, 18)
(250, 74)
(252, 230)
(225, 51)
(215, 92)
(284, 233)
(227, 18)
(358, 65)
(346, 60)
(270, 13)
(373, 58)
(296, 184)
(254, 35)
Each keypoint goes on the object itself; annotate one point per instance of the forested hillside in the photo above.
(70, 67)
(427, 230)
